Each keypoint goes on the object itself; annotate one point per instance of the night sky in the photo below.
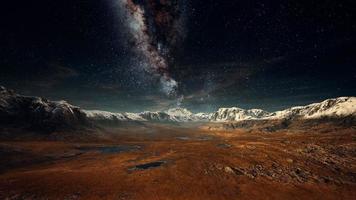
(250, 54)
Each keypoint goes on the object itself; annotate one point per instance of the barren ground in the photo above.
(174, 162)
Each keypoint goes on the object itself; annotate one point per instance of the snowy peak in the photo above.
(203, 116)
(171, 115)
(99, 115)
(179, 112)
(48, 114)
(237, 114)
(184, 115)
(337, 107)
(155, 116)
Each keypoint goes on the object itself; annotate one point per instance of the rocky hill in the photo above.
(38, 113)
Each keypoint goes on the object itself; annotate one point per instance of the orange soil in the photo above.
(252, 165)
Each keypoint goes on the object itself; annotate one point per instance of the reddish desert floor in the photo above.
(172, 162)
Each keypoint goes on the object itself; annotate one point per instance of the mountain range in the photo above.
(51, 115)
(335, 108)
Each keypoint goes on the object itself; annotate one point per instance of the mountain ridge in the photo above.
(334, 107)
(46, 113)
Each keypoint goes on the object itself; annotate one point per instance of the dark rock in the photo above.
(38, 113)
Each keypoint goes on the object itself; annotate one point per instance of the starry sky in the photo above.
(250, 54)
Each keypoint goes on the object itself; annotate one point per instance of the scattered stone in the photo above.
(229, 170)
(239, 171)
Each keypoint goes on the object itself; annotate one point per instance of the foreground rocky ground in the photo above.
(175, 162)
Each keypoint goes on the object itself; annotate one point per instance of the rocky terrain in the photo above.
(306, 152)
(165, 161)
(38, 113)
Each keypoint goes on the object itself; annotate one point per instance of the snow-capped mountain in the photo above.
(98, 115)
(203, 116)
(180, 114)
(170, 115)
(46, 114)
(237, 114)
(155, 116)
(184, 115)
(337, 107)
(174, 115)
(179, 111)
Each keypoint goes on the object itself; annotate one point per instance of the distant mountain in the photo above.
(184, 115)
(237, 114)
(171, 115)
(155, 116)
(109, 117)
(333, 108)
(175, 115)
(337, 107)
(203, 116)
(36, 112)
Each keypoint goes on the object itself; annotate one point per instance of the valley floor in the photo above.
(173, 162)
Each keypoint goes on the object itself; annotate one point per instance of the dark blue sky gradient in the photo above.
(251, 54)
